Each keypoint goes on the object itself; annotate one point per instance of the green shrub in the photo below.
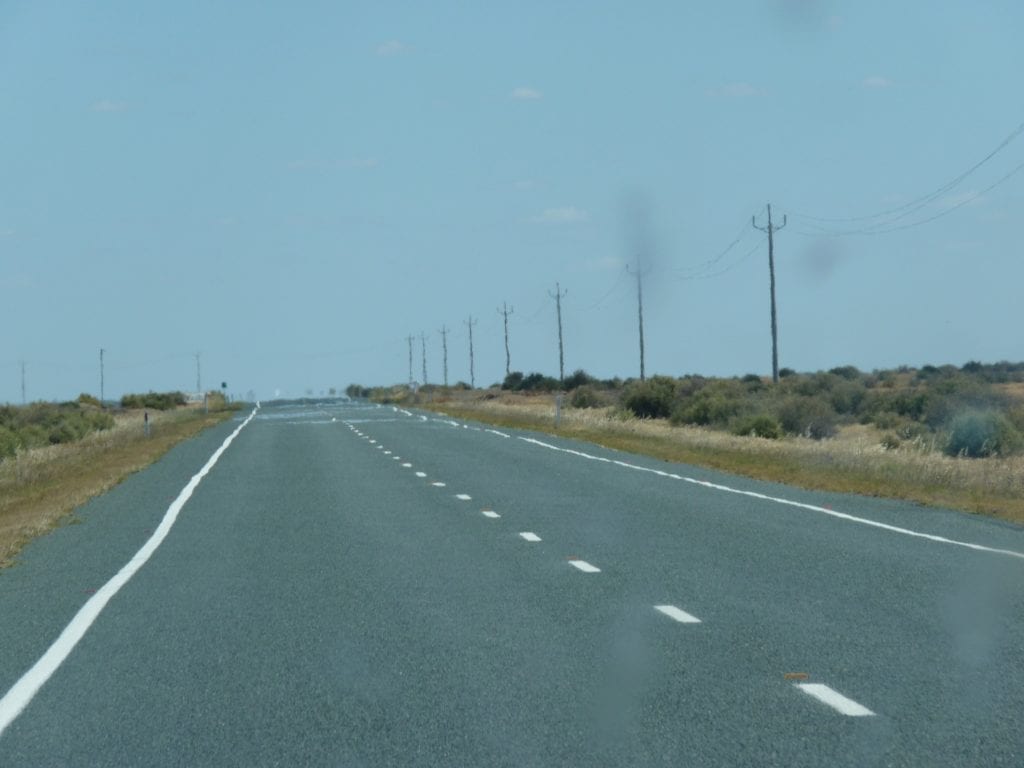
(87, 399)
(9, 442)
(587, 396)
(808, 416)
(577, 378)
(158, 401)
(977, 433)
(762, 425)
(651, 399)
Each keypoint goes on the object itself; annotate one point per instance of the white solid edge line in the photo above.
(678, 614)
(22, 692)
(787, 502)
(584, 566)
(530, 536)
(835, 700)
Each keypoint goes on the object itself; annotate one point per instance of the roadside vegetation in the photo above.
(55, 457)
(948, 436)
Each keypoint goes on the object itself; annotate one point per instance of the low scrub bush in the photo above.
(158, 401)
(808, 416)
(977, 433)
(761, 425)
(587, 396)
(651, 399)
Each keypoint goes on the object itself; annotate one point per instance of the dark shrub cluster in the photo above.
(40, 424)
(158, 401)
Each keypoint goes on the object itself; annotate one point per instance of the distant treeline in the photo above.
(975, 410)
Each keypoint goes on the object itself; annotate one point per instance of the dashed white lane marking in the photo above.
(421, 474)
(787, 502)
(496, 432)
(406, 464)
(678, 614)
(387, 453)
(380, 447)
(397, 458)
(530, 536)
(463, 496)
(437, 484)
(835, 700)
(18, 697)
(490, 513)
(373, 442)
(584, 566)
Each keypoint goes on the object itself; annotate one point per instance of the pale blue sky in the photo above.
(293, 188)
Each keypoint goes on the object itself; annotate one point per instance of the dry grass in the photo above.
(40, 487)
(853, 462)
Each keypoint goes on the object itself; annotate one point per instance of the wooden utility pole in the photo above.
(505, 311)
(444, 350)
(640, 312)
(423, 348)
(101, 377)
(409, 339)
(771, 230)
(472, 376)
(558, 295)
(199, 380)
(23, 401)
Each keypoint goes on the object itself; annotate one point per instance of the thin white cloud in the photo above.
(876, 81)
(109, 105)
(737, 91)
(522, 93)
(361, 162)
(568, 214)
(393, 48)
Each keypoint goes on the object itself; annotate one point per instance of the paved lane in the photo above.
(354, 586)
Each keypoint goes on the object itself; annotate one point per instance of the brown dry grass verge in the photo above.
(853, 462)
(42, 486)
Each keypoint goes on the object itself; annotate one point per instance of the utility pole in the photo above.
(409, 339)
(640, 312)
(444, 350)
(101, 377)
(558, 295)
(771, 230)
(199, 380)
(23, 401)
(472, 376)
(423, 349)
(505, 311)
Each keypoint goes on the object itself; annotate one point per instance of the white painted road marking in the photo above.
(463, 496)
(835, 700)
(18, 697)
(406, 464)
(530, 536)
(584, 566)
(438, 484)
(490, 513)
(496, 432)
(787, 502)
(421, 474)
(678, 614)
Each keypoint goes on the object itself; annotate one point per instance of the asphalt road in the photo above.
(352, 585)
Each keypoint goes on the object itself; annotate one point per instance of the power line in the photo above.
(891, 215)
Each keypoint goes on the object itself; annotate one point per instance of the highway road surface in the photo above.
(351, 585)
